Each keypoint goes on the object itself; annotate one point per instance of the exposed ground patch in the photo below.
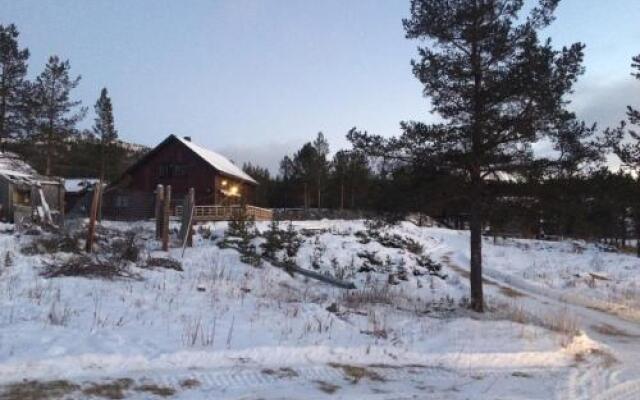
(356, 373)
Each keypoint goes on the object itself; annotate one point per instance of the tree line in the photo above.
(39, 117)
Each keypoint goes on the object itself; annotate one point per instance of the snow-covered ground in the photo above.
(223, 329)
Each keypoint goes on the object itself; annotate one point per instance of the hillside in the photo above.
(80, 157)
(211, 325)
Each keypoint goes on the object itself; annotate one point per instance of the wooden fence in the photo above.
(225, 213)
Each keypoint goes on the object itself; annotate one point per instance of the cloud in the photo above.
(267, 155)
(605, 101)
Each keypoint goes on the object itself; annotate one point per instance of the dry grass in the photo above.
(115, 389)
(357, 298)
(606, 359)
(280, 373)
(606, 329)
(89, 267)
(161, 262)
(562, 322)
(189, 383)
(356, 373)
(36, 390)
(326, 387)
(509, 292)
(161, 391)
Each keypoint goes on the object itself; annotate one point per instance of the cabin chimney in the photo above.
(187, 138)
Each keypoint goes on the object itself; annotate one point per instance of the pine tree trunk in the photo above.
(475, 225)
(475, 277)
(306, 197)
(342, 195)
(48, 164)
(102, 160)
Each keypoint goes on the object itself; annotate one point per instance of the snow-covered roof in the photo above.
(78, 184)
(217, 161)
(12, 164)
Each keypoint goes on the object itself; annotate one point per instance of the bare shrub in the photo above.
(563, 322)
(371, 295)
(126, 248)
(8, 259)
(88, 267)
(59, 314)
(161, 262)
(194, 331)
(67, 242)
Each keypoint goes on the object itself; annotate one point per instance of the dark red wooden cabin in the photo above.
(182, 164)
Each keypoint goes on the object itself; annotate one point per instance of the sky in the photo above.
(255, 79)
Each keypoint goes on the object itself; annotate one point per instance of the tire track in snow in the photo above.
(588, 382)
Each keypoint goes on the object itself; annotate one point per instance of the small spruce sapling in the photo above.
(8, 259)
(292, 241)
(273, 240)
(318, 251)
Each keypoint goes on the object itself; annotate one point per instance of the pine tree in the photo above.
(55, 114)
(304, 170)
(495, 85)
(273, 240)
(104, 128)
(321, 167)
(13, 87)
(625, 140)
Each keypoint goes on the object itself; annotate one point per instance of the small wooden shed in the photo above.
(25, 194)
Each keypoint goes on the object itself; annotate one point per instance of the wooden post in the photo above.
(61, 204)
(92, 217)
(187, 219)
(158, 210)
(99, 208)
(192, 209)
(165, 218)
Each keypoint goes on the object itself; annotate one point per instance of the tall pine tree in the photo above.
(625, 141)
(104, 128)
(321, 167)
(13, 69)
(55, 114)
(496, 86)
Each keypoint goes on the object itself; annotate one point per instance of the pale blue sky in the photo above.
(255, 79)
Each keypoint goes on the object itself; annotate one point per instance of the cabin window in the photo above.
(122, 201)
(169, 170)
(22, 196)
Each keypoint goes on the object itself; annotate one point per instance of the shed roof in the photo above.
(17, 170)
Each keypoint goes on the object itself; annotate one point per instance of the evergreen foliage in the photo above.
(104, 128)
(13, 85)
(54, 113)
(497, 87)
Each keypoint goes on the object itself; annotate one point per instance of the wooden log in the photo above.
(158, 210)
(166, 214)
(92, 217)
(313, 275)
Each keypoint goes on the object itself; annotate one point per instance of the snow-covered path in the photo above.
(617, 374)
